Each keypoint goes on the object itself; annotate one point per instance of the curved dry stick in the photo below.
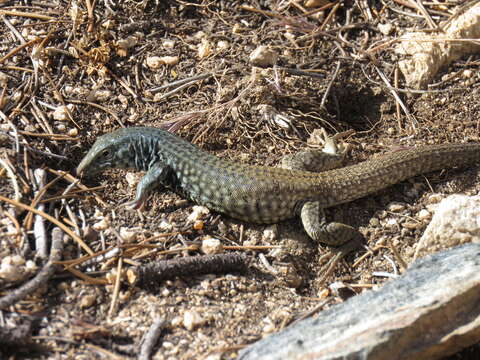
(11, 175)
(42, 276)
(151, 338)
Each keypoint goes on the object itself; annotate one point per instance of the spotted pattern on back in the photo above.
(264, 194)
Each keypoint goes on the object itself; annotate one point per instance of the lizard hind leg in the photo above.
(330, 233)
(344, 237)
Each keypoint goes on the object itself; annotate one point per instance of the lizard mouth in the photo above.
(85, 168)
(82, 168)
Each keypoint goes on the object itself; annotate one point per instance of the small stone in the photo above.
(87, 300)
(315, 3)
(192, 320)
(128, 234)
(212, 246)
(435, 198)
(198, 213)
(10, 272)
(165, 292)
(291, 277)
(61, 112)
(385, 29)
(204, 49)
(126, 44)
(424, 215)
(467, 74)
(198, 225)
(262, 56)
(289, 36)
(168, 345)
(30, 266)
(223, 45)
(199, 35)
(123, 100)
(391, 223)
(168, 44)
(103, 224)
(3, 79)
(132, 179)
(99, 95)
(269, 234)
(176, 321)
(111, 276)
(237, 29)
(455, 222)
(155, 62)
(411, 225)
(73, 132)
(269, 327)
(396, 207)
(165, 226)
(382, 214)
(17, 260)
(132, 276)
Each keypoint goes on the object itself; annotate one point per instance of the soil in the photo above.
(85, 73)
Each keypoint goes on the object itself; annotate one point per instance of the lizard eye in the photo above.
(106, 153)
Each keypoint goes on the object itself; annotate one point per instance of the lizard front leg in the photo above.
(154, 177)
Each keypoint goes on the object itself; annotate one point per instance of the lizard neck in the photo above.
(141, 153)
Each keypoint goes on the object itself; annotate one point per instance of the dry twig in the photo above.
(155, 272)
(43, 275)
(151, 338)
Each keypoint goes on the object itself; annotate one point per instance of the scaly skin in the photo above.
(262, 194)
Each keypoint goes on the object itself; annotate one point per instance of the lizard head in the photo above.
(111, 150)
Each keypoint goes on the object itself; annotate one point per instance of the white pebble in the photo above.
(155, 62)
(128, 234)
(395, 207)
(101, 225)
(61, 112)
(385, 29)
(212, 246)
(198, 213)
(204, 49)
(424, 214)
(262, 56)
(192, 320)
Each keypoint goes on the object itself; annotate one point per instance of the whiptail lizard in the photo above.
(264, 194)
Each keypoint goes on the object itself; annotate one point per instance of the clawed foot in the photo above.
(136, 204)
(338, 254)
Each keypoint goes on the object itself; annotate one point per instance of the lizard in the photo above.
(261, 194)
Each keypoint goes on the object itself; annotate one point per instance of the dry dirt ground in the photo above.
(73, 70)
